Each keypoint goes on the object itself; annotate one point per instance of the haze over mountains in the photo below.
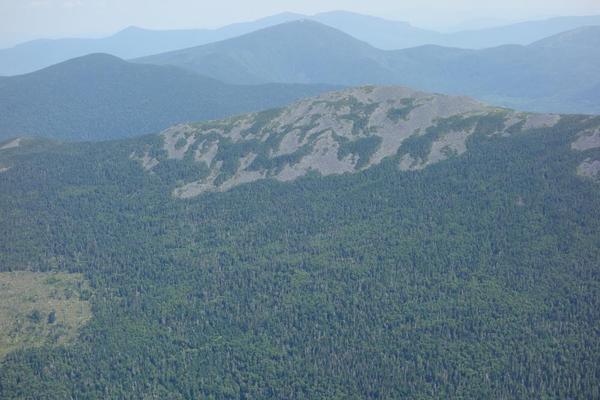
(381, 33)
(277, 215)
(270, 212)
(554, 74)
(100, 96)
(394, 35)
(129, 43)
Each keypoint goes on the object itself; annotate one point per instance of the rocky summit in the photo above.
(334, 133)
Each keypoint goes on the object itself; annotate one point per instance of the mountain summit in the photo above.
(335, 133)
(373, 243)
(300, 52)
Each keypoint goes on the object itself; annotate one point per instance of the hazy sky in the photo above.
(27, 19)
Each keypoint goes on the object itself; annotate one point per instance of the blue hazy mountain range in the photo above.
(556, 74)
(381, 33)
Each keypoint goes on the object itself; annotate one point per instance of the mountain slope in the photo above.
(553, 74)
(335, 133)
(473, 277)
(129, 43)
(537, 77)
(523, 33)
(393, 35)
(302, 51)
(378, 32)
(100, 96)
(382, 33)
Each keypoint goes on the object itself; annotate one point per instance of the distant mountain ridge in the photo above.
(379, 32)
(100, 96)
(522, 33)
(537, 77)
(130, 42)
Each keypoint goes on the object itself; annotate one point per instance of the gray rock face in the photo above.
(147, 162)
(587, 140)
(589, 168)
(11, 144)
(335, 133)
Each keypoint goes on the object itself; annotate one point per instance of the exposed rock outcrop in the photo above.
(335, 133)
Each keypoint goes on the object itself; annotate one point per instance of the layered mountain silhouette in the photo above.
(101, 96)
(553, 74)
(393, 35)
(129, 43)
(382, 33)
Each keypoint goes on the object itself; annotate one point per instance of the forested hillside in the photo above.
(472, 277)
(100, 97)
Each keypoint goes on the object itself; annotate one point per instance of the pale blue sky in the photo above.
(27, 19)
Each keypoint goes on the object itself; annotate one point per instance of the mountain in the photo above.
(378, 32)
(300, 51)
(335, 133)
(556, 73)
(372, 243)
(393, 35)
(100, 96)
(129, 43)
(522, 33)
(538, 77)
(382, 33)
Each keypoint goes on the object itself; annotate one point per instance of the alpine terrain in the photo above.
(375, 242)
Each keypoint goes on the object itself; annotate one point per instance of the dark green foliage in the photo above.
(381, 284)
(52, 317)
(363, 147)
(99, 97)
(35, 316)
(263, 162)
(419, 146)
(263, 118)
(180, 172)
(358, 112)
(396, 114)
(180, 143)
(230, 154)
(486, 125)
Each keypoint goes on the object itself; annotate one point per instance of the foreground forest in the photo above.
(476, 277)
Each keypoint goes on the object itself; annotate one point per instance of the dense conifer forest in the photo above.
(473, 278)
